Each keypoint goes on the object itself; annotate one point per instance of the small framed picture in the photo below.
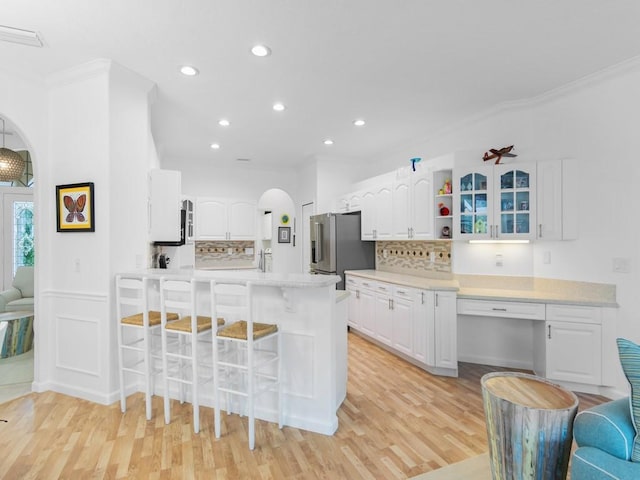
(74, 208)
(284, 234)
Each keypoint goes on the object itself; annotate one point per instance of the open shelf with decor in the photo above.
(443, 204)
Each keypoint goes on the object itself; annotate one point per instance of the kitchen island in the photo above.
(312, 319)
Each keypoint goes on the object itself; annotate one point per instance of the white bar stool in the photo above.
(141, 325)
(192, 331)
(243, 363)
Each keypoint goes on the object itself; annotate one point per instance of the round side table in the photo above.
(529, 426)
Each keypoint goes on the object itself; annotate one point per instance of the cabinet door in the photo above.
(165, 205)
(472, 203)
(446, 330)
(424, 328)
(242, 220)
(211, 219)
(383, 213)
(402, 312)
(352, 286)
(367, 216)
(355, 202)
(515, 200)
(384, 317)
(574, 352)
(401, 206)
(421, 211)
(367, 318)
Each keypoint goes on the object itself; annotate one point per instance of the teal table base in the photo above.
(18, 337)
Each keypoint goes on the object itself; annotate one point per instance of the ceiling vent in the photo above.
(17, 35)
(245, 160)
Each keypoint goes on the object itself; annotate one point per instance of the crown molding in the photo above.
(85, 71)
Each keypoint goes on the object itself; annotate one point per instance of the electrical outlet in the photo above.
(622, 265)
(546, 257)
(498, 259)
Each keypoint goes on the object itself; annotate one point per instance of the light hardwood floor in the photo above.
(397, 422)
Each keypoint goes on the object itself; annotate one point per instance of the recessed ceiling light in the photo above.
(261, 50)
(328, 141)
(215, 146)
(224, 122)
(358, 123)
(189, 71)
(278, 107)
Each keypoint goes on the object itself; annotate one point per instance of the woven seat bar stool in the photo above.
(138, 336)
(184, 364)
(246, 355)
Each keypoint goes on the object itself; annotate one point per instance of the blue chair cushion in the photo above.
(607, 427)
(629, 354)
(589, 463)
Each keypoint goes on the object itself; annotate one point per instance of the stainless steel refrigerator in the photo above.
(336, 245)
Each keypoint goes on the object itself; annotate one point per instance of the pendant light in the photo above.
(11, 163)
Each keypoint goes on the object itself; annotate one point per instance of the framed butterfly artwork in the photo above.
(75, 208)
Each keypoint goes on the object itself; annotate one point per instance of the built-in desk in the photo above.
(563, 330)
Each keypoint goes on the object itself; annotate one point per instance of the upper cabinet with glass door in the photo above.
(515, 191)
(494, 202)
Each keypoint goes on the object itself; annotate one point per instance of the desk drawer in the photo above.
(489, 308)
(574, 313)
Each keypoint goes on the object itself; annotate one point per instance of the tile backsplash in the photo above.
(224, 254)
(421, 258)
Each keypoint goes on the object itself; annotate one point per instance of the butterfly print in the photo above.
(75, 208)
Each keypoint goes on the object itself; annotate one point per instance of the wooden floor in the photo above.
(397, 421)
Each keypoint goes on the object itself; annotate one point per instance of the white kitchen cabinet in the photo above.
(446, 330)
(352, 285)
(573, 344)
(164, 205)
(225, 219)
(557, 200)
(495, 202)
(419, 324)
(424, 342)
(376, 219)
(367, 301)
(384, 313)
(573, 352)
(412, 208)
(402, 308)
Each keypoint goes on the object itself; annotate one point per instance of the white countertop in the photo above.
(406, 280)
(504, 288)
(288, 280)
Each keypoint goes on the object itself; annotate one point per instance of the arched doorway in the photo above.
(17, 241)
(281, 240)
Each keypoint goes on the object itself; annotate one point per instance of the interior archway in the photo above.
(281, 239)
(17, 241)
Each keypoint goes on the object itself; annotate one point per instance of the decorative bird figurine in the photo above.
(498, 154)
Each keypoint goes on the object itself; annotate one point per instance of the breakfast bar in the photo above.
(312, 318)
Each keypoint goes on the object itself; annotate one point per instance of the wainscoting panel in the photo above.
(77, 352)
(78, 347)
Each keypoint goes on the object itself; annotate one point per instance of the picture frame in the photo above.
(75, 208)
(284, 234)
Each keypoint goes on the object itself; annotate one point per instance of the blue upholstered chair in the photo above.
(604, 435)
(609, 445)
